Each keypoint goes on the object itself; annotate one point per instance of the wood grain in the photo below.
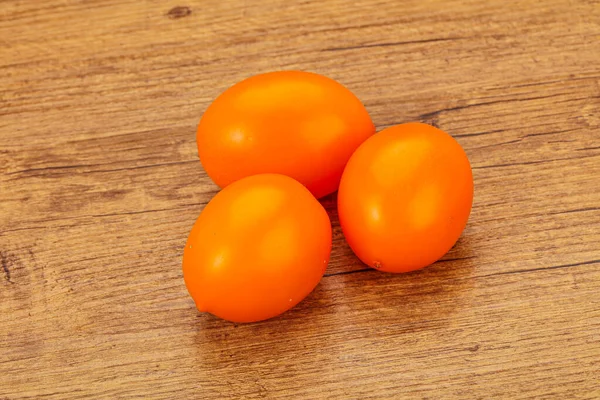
(100, 184)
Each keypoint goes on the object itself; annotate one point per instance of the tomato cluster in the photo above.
(276, 143)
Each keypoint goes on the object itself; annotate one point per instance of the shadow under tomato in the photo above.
(342, 259)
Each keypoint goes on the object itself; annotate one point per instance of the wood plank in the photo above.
(100, 184)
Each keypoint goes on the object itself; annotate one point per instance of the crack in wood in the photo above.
(521, 271)
(388, 44)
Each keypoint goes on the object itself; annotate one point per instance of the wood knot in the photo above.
(179, 12)
(474, 348)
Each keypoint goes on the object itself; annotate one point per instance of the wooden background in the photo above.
(100, 184)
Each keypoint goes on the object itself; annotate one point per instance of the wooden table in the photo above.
(100, 184)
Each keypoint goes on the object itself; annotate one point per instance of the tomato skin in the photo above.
(405, 197)
(294, 123)
(258, 248)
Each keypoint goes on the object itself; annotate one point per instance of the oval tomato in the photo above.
(405, 197)
(299, 124)
(258, 248)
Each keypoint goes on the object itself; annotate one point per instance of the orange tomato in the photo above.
(299, 124)
(258, 248)
(405, 197)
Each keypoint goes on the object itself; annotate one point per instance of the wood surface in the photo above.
(100, 184)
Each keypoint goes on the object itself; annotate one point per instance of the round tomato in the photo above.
(405, 197)
(258, 248)
(298, 124)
